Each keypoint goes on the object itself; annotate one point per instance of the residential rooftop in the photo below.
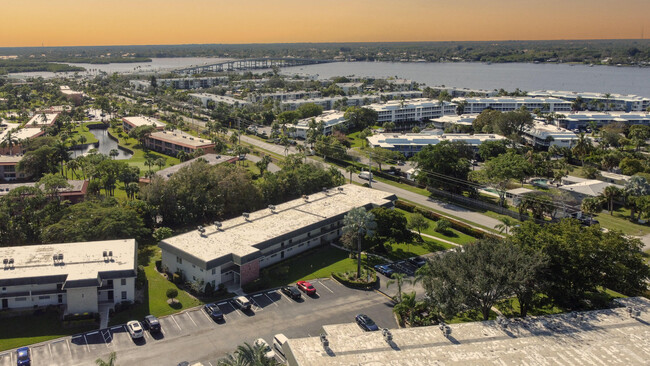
(80, 261)
(616, 336)
(592, 187)
(75, 186)
(138, 121)
(390, 140)
(26, 133)
(211, 159)
(239, 236)
(464, 119)
(41, 119)
(572, 95)
(180, 137)
(10, 159)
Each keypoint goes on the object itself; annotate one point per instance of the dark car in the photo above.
(384, 269)
(214, 311)
(366, 323)
(23, 356)
(417, 261)
(152, 323)
(291, 291)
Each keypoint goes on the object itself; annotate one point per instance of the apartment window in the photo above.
(193, 266)
(21, 299)
(123, 282)
(194, 278)
(123, 295)
(179, 260)
(214, 271)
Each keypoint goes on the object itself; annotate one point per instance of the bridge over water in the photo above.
(249, 64)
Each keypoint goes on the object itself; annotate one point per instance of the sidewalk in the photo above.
(438, 239)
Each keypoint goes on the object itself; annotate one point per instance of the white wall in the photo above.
(83, 299)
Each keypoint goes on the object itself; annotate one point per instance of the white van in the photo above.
(365, 175)
(280, 340)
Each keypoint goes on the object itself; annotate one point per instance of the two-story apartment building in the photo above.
(78, 276)
(509, 104)
(129, 123)
(235, 250)
(171, 142)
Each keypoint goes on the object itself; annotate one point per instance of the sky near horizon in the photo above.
(126, 22)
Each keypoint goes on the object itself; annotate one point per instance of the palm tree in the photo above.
(399, 279)
(132, 189)
(113, 153)
(350, 169)
(9, 141)
(247, 355)
(82, 139)
(505, 225)
(263, 164)
(609, 194)
(636, 187)
(111, 360)
(160, 162)
(582, 147)
(359, 223)
(182, 156)
(408, 306)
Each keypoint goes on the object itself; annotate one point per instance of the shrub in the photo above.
(349, 280)
(443, 225)
(172, 293)
(209, 289)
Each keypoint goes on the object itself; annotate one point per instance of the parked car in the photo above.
(384, 269)
(366, 323)
(306, 287)
(243, 303)
(135, 329)
(365, 175)
(152, 323)
(23, 356)
(417, 261)
(268, 351)
(214, 311)
(291, 291)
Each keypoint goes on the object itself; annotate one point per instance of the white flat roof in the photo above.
(464, 119)
(219, 98)
(511, 100)
(10, 159)
(407, 104)
(26, 133)
(239, 236)
(601, 337)
(81, 260)
(587, 95)
(591, 187)
(37, 120)
(138, 121)
(390, 140)
(75, 185)
(180, 137)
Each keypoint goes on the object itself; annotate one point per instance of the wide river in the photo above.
(525, 76)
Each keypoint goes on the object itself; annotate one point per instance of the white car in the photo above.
(243, 303)
(268, 351)
(135, 329)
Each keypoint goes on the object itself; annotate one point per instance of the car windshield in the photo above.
(22, 356)
(310, 287)
(368, 320)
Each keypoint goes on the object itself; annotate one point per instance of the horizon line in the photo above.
(331, 43)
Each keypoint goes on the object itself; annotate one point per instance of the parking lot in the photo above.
(193, 336)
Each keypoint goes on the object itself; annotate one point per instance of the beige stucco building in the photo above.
(78, 276)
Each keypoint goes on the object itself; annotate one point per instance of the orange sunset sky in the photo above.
(122, 22)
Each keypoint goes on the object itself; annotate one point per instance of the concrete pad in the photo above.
(97, 341)
(78, 347)
(40, 354)
(200, 318)
(7, 358)
(60, 351)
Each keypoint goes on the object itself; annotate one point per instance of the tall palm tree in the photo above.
(110, 362)
(408, 306)
(351, 169)
(113, 153)
(399, 279)
(9, 141)
(505, 225)
(609, 194)
(582, 147)
(359, 223)
(247, 355)
(636, 187)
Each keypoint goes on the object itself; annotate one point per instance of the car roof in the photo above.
(242, 298)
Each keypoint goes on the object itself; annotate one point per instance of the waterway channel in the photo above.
(104, 145)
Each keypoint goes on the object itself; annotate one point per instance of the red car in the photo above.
(306, 287)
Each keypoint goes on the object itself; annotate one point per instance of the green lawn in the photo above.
(620, 221)
(82, 130)
(408, 250)
(138, 158)
(25, 330)
(451, 235)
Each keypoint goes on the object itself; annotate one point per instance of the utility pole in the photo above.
(239, 128)
(370, 169)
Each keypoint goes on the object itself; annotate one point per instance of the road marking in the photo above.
(49, 345)
(86, 341)
(272, 302)
(271, 292)
(179, 327)
(259, 308)
(285, 296)
(92, 333)
(222, 303)
(118, 327)
(209, 363)
(258, 295)
(328, 289)
(189, 316)
(69, 350)
(206, 315)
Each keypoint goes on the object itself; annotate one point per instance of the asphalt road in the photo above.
(447, 208)
(193, 336)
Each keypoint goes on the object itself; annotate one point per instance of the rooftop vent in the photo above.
(60, 256)
(340, 189)
(105, 254)
(324, 341)
(272, 207)
(388, 336)
(305, 197)
(201, 229)
(217, 224)
(246, 215)
(446, 330)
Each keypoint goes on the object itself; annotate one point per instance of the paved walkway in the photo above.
(438, 239)
(645, 240)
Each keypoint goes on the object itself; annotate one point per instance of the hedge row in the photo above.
(455, 224)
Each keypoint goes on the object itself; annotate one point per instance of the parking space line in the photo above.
(285, 296)
(49, 346)
(189, 316)
(206, 315)
(328, 289)
(272, 302)
(259, 308)
(175, 322)
(86, 341)
(68, 344)
(222, 303)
